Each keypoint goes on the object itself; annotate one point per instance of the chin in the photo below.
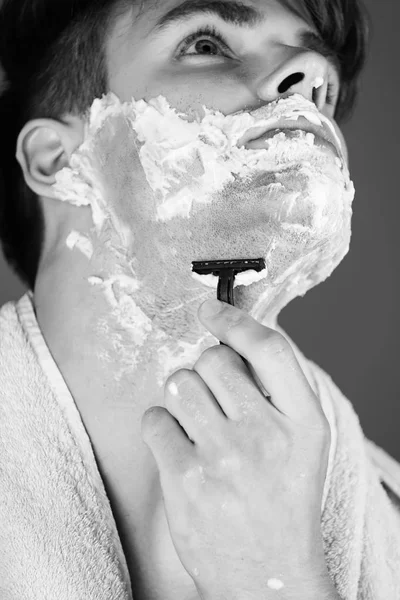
(265, 299)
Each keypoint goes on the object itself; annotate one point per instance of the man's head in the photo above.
(59, 57)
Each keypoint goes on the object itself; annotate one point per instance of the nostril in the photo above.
(289, 81)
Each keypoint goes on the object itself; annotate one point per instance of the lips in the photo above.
(254, 138)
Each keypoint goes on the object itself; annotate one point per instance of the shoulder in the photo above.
(8, 321)
(331, 397)
(387, 467)
(12, 345)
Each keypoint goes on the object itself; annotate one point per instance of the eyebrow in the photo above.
(239, 14)
(233, 12)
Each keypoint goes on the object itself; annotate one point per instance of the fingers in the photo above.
(171, 448)
(190, 401)
(230, 382)
(272, 358)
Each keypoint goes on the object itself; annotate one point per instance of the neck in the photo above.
(115, 342)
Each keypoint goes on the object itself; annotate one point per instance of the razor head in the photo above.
(221, 267)
(226, 271)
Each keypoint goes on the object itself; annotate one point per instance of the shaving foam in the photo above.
(246, 278)
(166, 190)
(81, 243)
(275, 584)
(171, 146)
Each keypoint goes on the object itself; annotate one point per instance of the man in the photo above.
(113, 485)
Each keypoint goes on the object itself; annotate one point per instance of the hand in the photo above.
(242, 477)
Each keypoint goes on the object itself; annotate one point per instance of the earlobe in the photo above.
(45, 147)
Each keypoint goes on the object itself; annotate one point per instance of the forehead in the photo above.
(151, 21)
(251, 13)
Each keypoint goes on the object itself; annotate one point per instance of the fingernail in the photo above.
(211, 308)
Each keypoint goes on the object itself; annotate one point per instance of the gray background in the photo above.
(350, 324)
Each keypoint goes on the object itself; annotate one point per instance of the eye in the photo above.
(209, 46)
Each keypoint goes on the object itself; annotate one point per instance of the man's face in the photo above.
(293, 209)
(146, 60)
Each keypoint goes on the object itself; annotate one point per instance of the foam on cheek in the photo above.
(146, 170)
(185, 162)
(207, 150)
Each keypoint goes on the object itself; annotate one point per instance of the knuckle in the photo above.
(152, 422)
(209, 355)
(276, 346)
(179, 378)
(231, 463)
(237, 319)
(191, 404)
(193, 472)
(186, 381)
(216, 355)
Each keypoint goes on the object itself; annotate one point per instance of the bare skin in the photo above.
(143, 64)
(243, 478)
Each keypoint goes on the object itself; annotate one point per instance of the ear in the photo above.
(45, 147)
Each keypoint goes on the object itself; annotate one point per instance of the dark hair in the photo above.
(53, 54)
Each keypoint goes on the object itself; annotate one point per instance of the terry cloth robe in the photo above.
(58, 536)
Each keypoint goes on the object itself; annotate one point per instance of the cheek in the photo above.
(302, 211)
(342, 141)
(188, 91)
(127, 199)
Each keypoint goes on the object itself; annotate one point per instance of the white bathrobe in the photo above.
(58, 536)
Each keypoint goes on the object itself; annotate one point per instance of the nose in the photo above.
(306, 73)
